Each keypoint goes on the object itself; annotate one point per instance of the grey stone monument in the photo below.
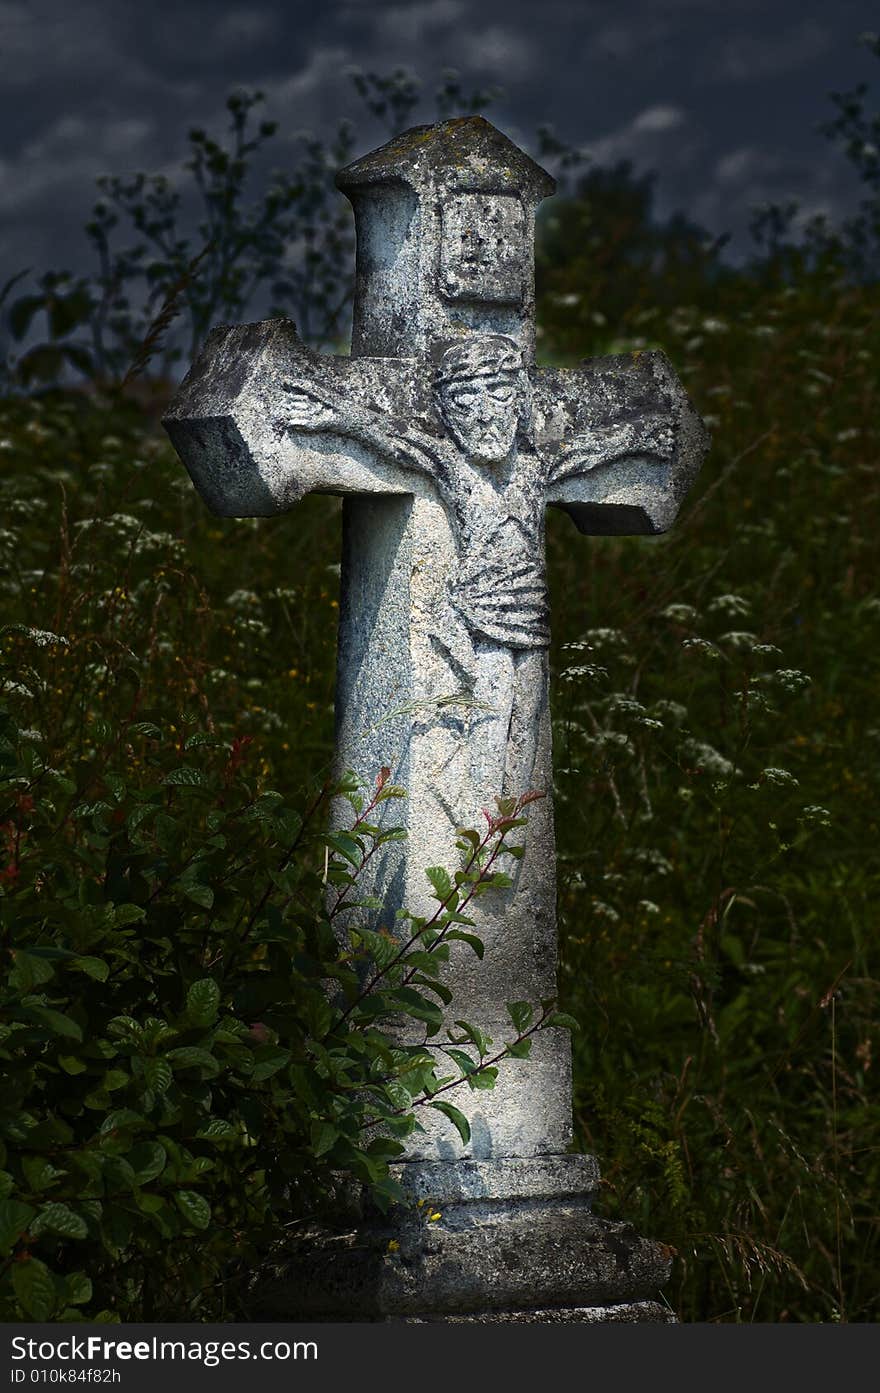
(447, 443)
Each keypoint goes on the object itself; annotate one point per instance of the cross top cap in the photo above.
(445, 219)
(465, 152)
(482, 355)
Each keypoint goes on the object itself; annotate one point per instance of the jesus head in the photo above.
(482, 390)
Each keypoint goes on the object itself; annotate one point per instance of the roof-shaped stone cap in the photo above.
(467, 152)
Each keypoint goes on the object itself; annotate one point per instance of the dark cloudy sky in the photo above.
(721, 97)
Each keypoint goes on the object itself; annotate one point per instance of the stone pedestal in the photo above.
(515, 1241)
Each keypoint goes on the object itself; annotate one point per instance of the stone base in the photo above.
(509, 1240)
(631, 1312)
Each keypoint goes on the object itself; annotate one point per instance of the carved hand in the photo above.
(306, 408)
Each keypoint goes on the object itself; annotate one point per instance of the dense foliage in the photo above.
(716, 767)
(717, 764)
(188, 1050)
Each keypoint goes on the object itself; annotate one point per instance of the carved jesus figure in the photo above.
(492, 482)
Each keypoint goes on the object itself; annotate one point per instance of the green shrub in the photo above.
(717, 768)
(195, 1059)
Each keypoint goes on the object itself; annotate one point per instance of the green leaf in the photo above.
(93, 967)
(323, 1137)
(147, 1160)
(200, 894)
(457, 1118)
(77, 1289)
(14, 1219)
(520, 1049)
(418, 1006)
(381, 946)
(22, 311)
(203, 1001)
(469, 835)
(498, 880)
(34, 1288)
(268, 1059)
(71, 1065)
(191, 1057)
(38, 1172)
(475, 1035)
(200, 738)
(347, 847)
(116, 1231)
(29, 971)
(123, 914)
(484, 1078)
(464, 1061)
(391, 791)
(561, 1019)
(218, 1129)
(91, 809)
(158, 1075)
(59, 1218)
(194, 1208)
(398, 1095)
(475, 943)
(441, 881)
(521, 1013)
(57, 1021)
(116, 786)
(66, 312)
(122, 1119)
(124, 1026)
(184, 777)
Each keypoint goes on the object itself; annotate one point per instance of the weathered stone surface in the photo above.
(448, 443)
(445, 220)
(629, 1313)
(512, 1255)
(548, 1178)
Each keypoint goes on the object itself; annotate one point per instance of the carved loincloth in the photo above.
(504, 600)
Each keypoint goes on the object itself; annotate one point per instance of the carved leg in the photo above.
(529, 695)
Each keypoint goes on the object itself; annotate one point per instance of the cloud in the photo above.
(71, 153)
(640, 139)
(40, 43)
(659, 118)
(743, 163)
(746, 57)
(499, 52)
(241, 27)
(310, 95)
(617, 42)
(749, 177)
(410, 24)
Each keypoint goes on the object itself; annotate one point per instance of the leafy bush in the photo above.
(180, 1088)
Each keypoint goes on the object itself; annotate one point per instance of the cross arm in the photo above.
(623, 442)
(321, 410)
(251, 421)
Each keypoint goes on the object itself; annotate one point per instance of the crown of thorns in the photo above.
(483, 355)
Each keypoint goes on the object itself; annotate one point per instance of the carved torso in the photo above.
(500, 586)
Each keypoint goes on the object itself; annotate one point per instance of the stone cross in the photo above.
(447, 443)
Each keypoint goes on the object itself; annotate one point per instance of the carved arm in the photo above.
(314, 409)
(651, 436)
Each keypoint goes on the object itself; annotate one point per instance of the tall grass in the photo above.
(718, 838)
(716, 750)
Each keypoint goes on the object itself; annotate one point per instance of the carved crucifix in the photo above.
(447, 443)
